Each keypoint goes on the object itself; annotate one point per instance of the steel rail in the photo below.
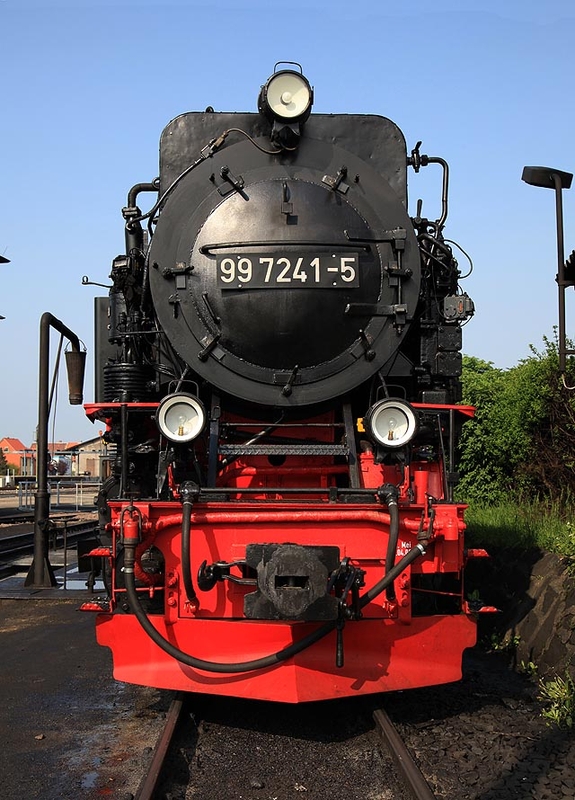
(10, 517)
(410, 772)
(149, 784)
(15, 545)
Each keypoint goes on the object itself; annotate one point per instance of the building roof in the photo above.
(79, 445)
(15, 445)
(58, 446)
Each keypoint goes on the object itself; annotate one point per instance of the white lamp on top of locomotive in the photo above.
(286, 100)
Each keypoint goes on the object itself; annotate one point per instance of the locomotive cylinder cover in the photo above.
(284, 279)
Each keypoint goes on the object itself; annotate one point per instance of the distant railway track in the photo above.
(23, 517)
(16, 545)
(15, 517)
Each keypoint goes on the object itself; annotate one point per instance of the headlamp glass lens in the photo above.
(180, 417)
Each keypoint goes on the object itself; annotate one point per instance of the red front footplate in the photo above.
(381, 655)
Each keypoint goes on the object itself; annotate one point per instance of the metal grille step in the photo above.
(284, 450)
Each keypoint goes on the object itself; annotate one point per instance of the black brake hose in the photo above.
(392, 544)
(258, 663)
(389, 494)
(186, 568)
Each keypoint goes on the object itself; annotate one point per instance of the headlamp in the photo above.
(391, 423)
(286, 97)
(180, 417)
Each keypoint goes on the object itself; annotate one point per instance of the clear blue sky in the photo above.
(87, 86)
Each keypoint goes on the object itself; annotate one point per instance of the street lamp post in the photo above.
(4, 260)
(548, 178)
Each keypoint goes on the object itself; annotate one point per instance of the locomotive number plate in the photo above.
(257, 271)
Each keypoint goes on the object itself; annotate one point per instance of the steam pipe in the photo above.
(417, 160)
(445, 189)
(124, 455)
(134, 233)
(138, 188)
(262, 517)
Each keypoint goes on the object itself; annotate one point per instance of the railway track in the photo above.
(21, 543)
(410, 772)
(176, 743)
(149, 786)
(11, 517)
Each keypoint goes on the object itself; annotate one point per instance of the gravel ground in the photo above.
(249, 750)
(484, 738)
(68, 731)
(481, 739)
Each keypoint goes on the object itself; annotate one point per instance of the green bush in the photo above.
(521, 444)
(530, 524)
(558, 695)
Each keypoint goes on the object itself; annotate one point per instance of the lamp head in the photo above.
(286, 100)
(391, 423)
(543, 177)
(180, 417)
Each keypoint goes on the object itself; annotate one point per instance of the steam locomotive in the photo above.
(278, 371)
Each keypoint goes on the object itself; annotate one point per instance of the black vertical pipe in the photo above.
(452, 457)
(215, 413)
(40, 573)
(560, 268)
(134, 234)
(556, 179)
(354, 477)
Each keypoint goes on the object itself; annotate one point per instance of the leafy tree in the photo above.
(522, 442)
(551, 469)
(3, 464)
(484, 469)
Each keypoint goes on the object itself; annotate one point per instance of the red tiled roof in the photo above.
(57, 446)
(14, 444)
